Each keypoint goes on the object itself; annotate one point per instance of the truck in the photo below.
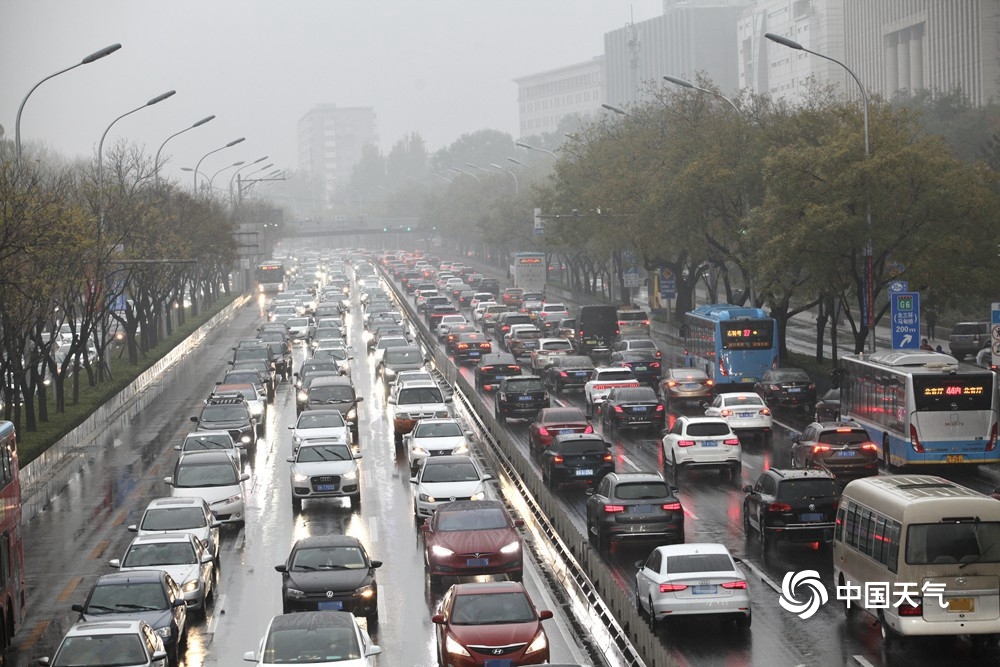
(529, 270)
(602, 380)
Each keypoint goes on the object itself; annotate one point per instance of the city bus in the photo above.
(270, 277)
(933, 548)
(732, 344)
(12, 578)
(922, 407)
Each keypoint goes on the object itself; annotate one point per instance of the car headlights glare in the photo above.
(418, 451)
(256, 409)
(245, 439)
(461, 449)
(352, 414)
(351, 474)
(424, 498)
(452, 647)
(294, 593)
(479, 495)
(440, 551)
(538, 643)
(164, 632)
(299, 477)
(511, 548)
(303, 396)
(190, 586)
(366, 592)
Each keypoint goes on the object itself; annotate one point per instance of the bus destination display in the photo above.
(747, 335)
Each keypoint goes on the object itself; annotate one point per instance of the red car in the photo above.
(480, 624)
(551, 422)
(472, 537)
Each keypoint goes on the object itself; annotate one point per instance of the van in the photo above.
(633, 322)
(937, 541)
(968, 338)
(596, 329)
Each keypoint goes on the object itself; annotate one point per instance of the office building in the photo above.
(330, 143)
(547, 97)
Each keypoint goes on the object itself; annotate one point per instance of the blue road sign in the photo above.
(905, 308)
(668, 284)
(897, 286)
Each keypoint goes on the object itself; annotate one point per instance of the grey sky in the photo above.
(441, 68)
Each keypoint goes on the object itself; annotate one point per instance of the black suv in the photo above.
(790, 387)
(495, 367)
(575, 458)
(567, 372)
(228, 413)
(841, 448)
(489, 285)
(791, 505)
(637, 506)
(632, 407)
(521, 397)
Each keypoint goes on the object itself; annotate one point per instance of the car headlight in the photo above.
(424, 498)
(294, 593)
(296, 439)
(418, 451)
(232, 499)
(299, 477)
(245, 439)
(352, 474)
(479, 495)
(190, 586)
(452, 647)
(461, 449)
(256, 409)
(366, 591)
(164, 632)
(538, 643)
(352, 414)
(511, 548)
(303, 396)
(440, 551)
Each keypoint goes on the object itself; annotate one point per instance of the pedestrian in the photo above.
(924, 345)
(931, 319)
(939, 349)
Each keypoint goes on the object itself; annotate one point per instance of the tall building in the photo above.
(547, 97)
(330, 141)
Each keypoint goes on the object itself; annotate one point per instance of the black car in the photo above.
(791, 505)
(567, 372)
(450, 337)
(634, 506)
(332, 392)
(508, 319)
(645, 365)
(596, 329)
(632, 407)
(147, 595)
(491, 285)
(580, 457)
(330, 573)
(843, 449)
(495, 367)
(828, 406)
(788, 387)
(228, 413)
(471, 347)
(521, 397)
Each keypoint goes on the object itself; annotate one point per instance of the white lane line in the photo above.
(217, 609)
(761, 575)
(629, 462)
(373, 528)
(861, 660)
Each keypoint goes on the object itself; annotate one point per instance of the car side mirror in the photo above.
(518, 523)
(544, 615)
(244, 477)
(168, 480)
(359, 399)
(448, 400)
(115, 563)
(391, 400)
(77, 607)
(590, 491)
(639, 564)
(177, 448)
(132, 528)
(207, 558)
(375, 564)
(438, 619)
(747, 489)
(413, 480)
(358, 455)
(674, 489)
(194, 419)
(250, 656)
(280, 568)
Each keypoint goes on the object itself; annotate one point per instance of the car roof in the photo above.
(313, 619)
(452, 458)
(162, 538)
(212, 432)
(332, 380)
(117, 627)
(474, 588)
(693, 549)
(463, 505)
(175, 501)
(205, 456)
(570, 438)
(131, 577)
(629, 477)
(327, 540)
(704, 420)
(810, 473)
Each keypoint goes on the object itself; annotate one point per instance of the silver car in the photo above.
(324, 468)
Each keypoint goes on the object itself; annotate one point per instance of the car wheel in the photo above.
(603, 543)
(591, 535)
(766, 541)
(356, 503)
(736, 473)
(372, 618)
(747, 528)
(500, 416)
(890, 640)
(638, 605)
(743, 622)
(850, 610)
(675, 472)
(296, 505)
(546, 477)
(355, 436)
(435, 581)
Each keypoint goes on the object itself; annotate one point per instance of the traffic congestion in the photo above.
(330, 494)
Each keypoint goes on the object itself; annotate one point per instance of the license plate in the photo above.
(326, 487)
(477, 562)
(744, 415)
(709, 443)
(639, 368)
(642, 509)
(961, 605)
(953, 458)
(845, 452)
(581, 374)
(501, 662)
(524, 398)
(639, 408)
(584, 472)
(750, 380)
(330, 605)
(704, 590)
(565, 431)
(810, 517)
(794, 390)
(473, 354)
(691, 386)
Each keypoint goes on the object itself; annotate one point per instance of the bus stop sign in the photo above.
(905, 308)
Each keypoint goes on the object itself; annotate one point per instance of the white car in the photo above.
(388, 341)
(203, 441)
(481, 297)
(702, 442)
(324, 468)
(181, 555)
(548, 348)
(693, 580)
(316, 424)
(214, 477)
(446, 322)
(435, 437)
(315, 638)
(443, 479)
(338, 354)
(180, 515)
(550, 313)
(745, 412)
(132, 642)
(480, 309)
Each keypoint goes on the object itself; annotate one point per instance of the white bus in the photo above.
(925, 536)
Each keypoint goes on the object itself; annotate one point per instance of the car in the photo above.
(315, 424)
(180, 515)
(491, 285)
(435, 437)
(637, 343)
(547, 349)
(446, 478)
(791, 506)
(550, 314)
(213, 477)
(479, 311)
(702, 442)
(566, 328)
(480, 297)
(251, 376)
(182, 556)
(465, 298)
(385, 342)
(680, 386)
(787, 387)
(696, 579)
(522, 339)
(412, 401)
(330, 573)
(632, 321)
(470, 347)
(200, 441)
(472, 537)
(645, 365)
(968, 338)
(310, 366)
(596, 329)
(633, 507)
(300, 329)
(511, 297)
(489, 315)
(632, 407)
(561, 373)
(447, 322)
(843, 449)
(450, 338)
(315, 638)
(146, 595)
(333, 392)
(575, 458)
(229, 413)
(520, 397)
(551, 422)
(828, 406)
(265, 375)
(508, 319)
(475, 620)
(256, 403)
(396, 359)
(745, 412)
(119, 642)
(494, 367)
(324, 468)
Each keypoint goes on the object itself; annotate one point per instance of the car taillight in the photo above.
(820, 448)
(671, 588)
(588, 429)
(462, 346)
(613, 509)
(991, 445)
(542, 430)
(908, 609)
(732, 585)
(870, 446)
(619, 409)
(765, 412)
(732, 442)
(774, 387)
(557, 459)
(725, 413)
(655, 364)
(779, 507)
(915, 441)
(671, 507)
(607, 457)
(685, 443)
(659, 408)
(563, 374)
(671, 383)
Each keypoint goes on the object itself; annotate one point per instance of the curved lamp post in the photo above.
(687, 84)
(196, 174)
(513, 175)
(535, 148)
(156, 161)
(96, 55)
(229, 145)
(236, 173)
(212, 179)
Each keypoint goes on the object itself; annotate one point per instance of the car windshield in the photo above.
(402, 356)
(610, 376)
(528, 334)
(807, 489)
(437, 430)
(160, 553)
(688, 563)
(318, 366)
(174, 518)
(687, 375)
(789, 375)
(345, 557)
(839, 437)
(330, 394)
(642, 491)
(491, 609)
(337, 353)
(551, 416)
(224, 413)
(239, 377)
(105, 650)
(200, 475)
(489, 518)
(580, 447)
(251, 354)
(461, 471)
(524, 386)
(195, 442)
(309, 420)
(743, 399)
(296, 646)
(127, 598)
(331, 452)
(417, 395)
(638, 394)
(708, 429)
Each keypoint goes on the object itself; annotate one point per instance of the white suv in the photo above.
(702, 442)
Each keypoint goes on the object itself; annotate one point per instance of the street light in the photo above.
(869, 298)
(535, 148)
(467, 173)
(96, 55)
(687, 84)
(229, 145)
(475, 166)
(233, 178)
(156, 161)
(196, 174)
(211, 180)
(496, 166)
(618, 110)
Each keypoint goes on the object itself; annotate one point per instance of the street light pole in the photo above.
(96, 55)
(529, 147)
(232, 197)
(212, 179)
(687, 84)
(156, 161)
(869, 286)
(618, 110)
(496, 166)
(229, 145)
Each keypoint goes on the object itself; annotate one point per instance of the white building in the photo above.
(330, 142)
(547, 97)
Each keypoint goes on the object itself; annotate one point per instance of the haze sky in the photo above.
(441, 68)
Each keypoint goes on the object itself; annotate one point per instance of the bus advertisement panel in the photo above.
(732, 344)
(12, 580)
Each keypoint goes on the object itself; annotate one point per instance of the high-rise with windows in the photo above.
(545, 98)
(330, 143)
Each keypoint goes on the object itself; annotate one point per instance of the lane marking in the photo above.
(218, 609)
(373, 529)
(631, 464)
(120, 519)
(761, 575)
(99, 549)
(34, 635)
(861, 660)
(68, 589)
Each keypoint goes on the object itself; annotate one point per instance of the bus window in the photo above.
(967, 541)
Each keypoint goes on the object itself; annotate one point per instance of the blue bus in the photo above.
(732, 344)
(922, 407)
